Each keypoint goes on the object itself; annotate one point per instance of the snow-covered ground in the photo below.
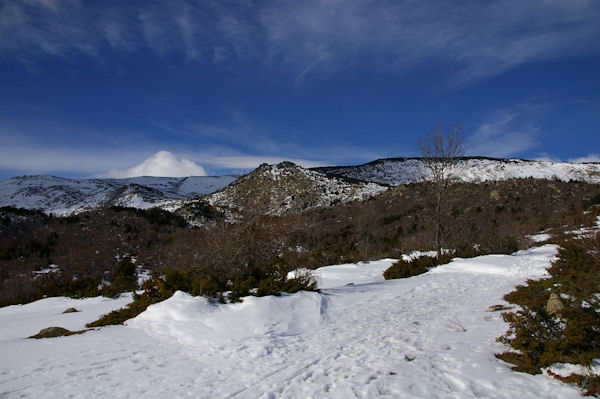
(428, 336)
(541, 237)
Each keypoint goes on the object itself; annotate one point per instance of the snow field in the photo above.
(428, 336)
(22, 321)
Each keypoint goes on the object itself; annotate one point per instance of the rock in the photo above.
(553, 187)
(71, 310)
(52, 332)
(554, 305)
(495, 195)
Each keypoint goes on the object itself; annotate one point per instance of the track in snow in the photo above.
(394, 339)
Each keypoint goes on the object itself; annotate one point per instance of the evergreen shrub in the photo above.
(413, 267)
(272, 280)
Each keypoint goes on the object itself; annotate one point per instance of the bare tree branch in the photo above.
(441, 152)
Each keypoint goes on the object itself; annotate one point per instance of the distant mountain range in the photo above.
(396, 171)
(62, 196)
(272, 189)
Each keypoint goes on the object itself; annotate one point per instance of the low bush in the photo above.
(271, 280)
(413, 267)
(157, 289)
(590, 384)
(121, 315)
(123, 278)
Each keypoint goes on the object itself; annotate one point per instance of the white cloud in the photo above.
(589, 158)
(544, 156)
(161, 164)
(503, 134)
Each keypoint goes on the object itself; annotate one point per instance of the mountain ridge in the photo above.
(398, 171)
(64, 196)
(288, 188)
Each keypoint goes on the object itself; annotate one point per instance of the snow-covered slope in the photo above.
(66, 196)
(288, 188)
(428, 336)
(273, 189)
(396, 171)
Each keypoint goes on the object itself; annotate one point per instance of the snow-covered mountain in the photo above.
(270, 189)
(396, 171)
(288, 188)
(62, 196)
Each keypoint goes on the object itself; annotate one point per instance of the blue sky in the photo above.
(98, 88)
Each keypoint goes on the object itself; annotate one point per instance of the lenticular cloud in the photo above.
(161, 164)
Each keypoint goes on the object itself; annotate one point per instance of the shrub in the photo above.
(121, 315)
(172, 280)
(122, 279)
(156, 289)
(270, 281)
(469, 251)
(209, 286)
(413, 267)
(589, 383)
(595, 200)
(510, 244)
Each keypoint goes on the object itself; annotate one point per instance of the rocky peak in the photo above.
(288, 188)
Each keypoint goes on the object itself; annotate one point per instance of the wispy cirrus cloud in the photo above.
(504, 134)
(474, 39)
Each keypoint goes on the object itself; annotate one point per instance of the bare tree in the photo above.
(441, 152)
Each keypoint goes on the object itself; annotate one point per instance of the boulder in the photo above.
(52, 332)
(71, 310)
(494, 195)
(554, 305)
